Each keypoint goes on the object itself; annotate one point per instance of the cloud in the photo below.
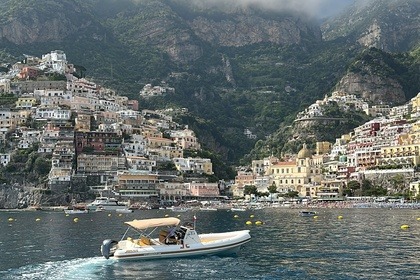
(316, 8)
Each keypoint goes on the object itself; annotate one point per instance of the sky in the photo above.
(316, 8)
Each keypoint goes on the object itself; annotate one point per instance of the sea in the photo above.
(337, 244)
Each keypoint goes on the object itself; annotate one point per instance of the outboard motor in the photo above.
(106, 247)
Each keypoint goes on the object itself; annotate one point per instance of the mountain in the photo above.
(390, 25)
(235, 65)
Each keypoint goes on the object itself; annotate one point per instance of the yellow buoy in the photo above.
(67, 215)
(340, 217)
(129, 239)
(109, 215)
(37, 219)
(120, 215)
(236, 216)
(75, 220)
(10, 219)
(251, 216)
(248, 222)
(405, 227)
(315, 217)
(258, 223)
(418, 219)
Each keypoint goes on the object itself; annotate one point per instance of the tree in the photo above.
(272, 189)
(42, 166)
(291, 194)
(367, 187)
(250, 189)
(352, 186)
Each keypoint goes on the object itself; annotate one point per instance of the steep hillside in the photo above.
(375, 76)
(390, 25)
(27, 22)
(234, 67)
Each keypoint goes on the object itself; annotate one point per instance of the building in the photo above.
(203, 189)
(138, 186)
(302, 174)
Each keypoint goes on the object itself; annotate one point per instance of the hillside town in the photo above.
(384, 153)
(100, 140)
(97, 138)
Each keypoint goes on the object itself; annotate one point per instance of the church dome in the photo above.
(304, 152)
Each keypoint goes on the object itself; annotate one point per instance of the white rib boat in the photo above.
(75, 211)
(179, 241)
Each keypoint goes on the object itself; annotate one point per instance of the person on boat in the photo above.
(172, 235)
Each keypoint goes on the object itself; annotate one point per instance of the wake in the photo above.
(75, 269)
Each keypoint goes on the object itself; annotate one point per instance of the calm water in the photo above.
(365, 244)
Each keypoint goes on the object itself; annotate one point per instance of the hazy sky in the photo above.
(318, 8)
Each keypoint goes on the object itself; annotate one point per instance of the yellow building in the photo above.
(323, 148)
(157, 142)
(406, 155)
(302, 174)
(82, 122)
(26, 102)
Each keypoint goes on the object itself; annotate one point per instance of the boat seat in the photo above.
(162, 236)
(144, 241)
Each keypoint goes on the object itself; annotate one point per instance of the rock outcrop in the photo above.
(49, 23)
(376, 89)
(246, 29)
(390, 25)
(17, 197)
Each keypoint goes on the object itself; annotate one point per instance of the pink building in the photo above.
(203, 189)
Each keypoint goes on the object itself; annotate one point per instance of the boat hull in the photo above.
(218, 247)
(307, 214)
(72, 212)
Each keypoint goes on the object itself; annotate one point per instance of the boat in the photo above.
(208, 209)
(76, 211)
(238, 209)
(179, 209)
(106, 203)
(170, 240)
(307, 213)
(124, 210)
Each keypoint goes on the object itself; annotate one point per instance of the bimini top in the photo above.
(158, 222)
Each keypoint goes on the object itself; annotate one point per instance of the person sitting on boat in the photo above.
(172, 237)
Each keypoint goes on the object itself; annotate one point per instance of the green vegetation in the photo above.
(113, 44)
(26, 166)
(8, 100)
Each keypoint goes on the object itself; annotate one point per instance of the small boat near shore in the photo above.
(124, 210)
(179, 209)
(76, 211)
(208, 209)
(307, 213)
(238, 209)
(171, 241)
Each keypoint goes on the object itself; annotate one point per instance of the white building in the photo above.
(136, 147)
(55, 60)
(52, 114)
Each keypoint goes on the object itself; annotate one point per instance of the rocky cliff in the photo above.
(171, 27)
(21, 23)
(390, 25)
(376, 89)
(250, 28)
(13, 197)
